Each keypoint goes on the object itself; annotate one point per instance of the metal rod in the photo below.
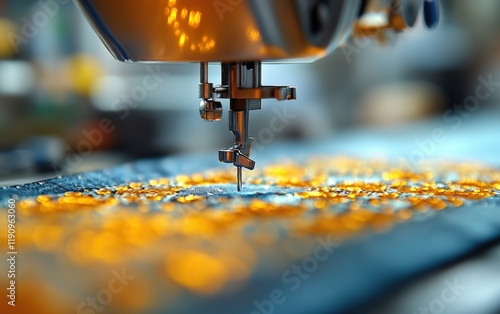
(239, 178)
(204, 72)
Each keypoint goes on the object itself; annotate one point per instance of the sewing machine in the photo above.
(321, 233)
(240, 35)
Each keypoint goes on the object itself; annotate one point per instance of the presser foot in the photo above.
(234, 156)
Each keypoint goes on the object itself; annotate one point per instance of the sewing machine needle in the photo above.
(239, 178)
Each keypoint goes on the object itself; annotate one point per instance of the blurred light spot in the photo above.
(194, 18)
(17, 78)
(196, 271)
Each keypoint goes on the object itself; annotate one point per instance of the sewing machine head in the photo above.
(240, 34)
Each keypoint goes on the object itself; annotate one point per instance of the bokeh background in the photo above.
(58, 83)
(58, 80)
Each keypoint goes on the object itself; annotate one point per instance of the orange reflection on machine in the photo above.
(193, 18)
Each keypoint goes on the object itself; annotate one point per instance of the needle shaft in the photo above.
(239, 178)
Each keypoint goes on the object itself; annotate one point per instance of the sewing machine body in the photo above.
(220, 31)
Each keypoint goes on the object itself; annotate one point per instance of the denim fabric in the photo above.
(358, 271)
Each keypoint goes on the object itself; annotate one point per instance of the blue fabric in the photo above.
(358, 271)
